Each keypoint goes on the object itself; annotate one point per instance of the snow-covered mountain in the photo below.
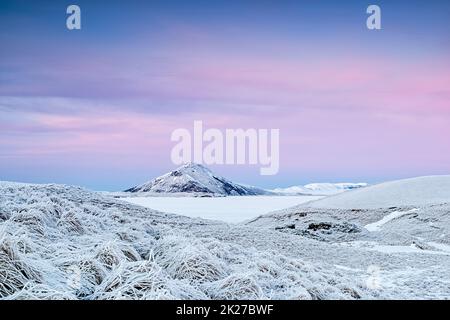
(196, 179)
(322, 189)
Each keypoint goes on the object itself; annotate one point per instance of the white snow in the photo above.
(347, 268)
(389, 249)
(229, 209)
(376, 226)
(324, 189)
(408, 192)
(440, 246)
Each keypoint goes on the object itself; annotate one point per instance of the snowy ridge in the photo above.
(196, 179)
(407, 192)
(320, 189)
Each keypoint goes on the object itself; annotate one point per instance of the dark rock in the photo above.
(176, 173)
(3, 216)
(289, 226)
(319, 226)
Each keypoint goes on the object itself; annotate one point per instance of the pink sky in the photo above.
(350, 105)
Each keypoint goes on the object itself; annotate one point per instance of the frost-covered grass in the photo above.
(60, 242)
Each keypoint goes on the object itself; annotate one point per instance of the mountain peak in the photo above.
(193, 165)
(194, 178)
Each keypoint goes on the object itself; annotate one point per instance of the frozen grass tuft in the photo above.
(34, 291)
(111, 254)
(137, 280)
(236, 286)
(31, 219)
(15, 273)
(70, 222)
(188, 259)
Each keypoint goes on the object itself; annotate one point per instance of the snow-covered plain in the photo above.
(229, 209)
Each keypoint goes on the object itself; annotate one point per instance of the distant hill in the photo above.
(408, 192)
(320, 189)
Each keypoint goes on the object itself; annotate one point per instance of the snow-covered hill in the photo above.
(198, 180)
(320, 189)
(410, 215)
(63, 242)
(408, 192)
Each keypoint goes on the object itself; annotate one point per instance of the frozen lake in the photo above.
(228, 209)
